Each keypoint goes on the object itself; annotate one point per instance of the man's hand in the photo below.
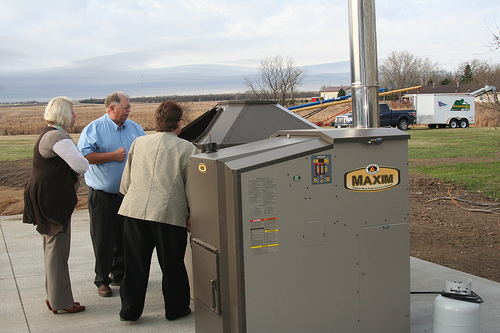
(120, 154)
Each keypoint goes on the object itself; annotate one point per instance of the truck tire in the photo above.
(463, 123)
(403, 124)
(453, 123)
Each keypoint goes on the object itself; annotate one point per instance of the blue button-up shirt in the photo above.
(103, 135)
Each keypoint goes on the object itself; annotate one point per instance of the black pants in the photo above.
(106, 232)
(140, 238)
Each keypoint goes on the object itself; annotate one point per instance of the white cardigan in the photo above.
(155, 177)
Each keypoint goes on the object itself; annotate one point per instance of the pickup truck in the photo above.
(388, 118)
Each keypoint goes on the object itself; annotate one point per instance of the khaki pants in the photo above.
(57, 282)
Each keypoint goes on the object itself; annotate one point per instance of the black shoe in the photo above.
(183, 314)
(116, 280)
(104, 291)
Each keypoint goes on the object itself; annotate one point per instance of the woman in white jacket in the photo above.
(156, 210)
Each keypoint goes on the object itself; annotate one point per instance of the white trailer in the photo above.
(443, 110)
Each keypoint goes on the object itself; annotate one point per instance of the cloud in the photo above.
(80, 82)
(91, 40)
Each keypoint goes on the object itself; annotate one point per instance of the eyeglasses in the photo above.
(125, 108)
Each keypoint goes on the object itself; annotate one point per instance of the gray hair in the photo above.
(115, 98)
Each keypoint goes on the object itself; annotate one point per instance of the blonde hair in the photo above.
(58, 112)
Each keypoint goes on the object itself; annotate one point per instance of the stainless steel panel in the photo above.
(206, 260)
(204, 189)
(297, 284)
(297, 254)
(385, 278)
(239, 122)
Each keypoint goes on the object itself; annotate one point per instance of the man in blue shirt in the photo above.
(105, 143)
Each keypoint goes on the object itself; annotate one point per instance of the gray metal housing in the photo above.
(276, 251)
(237, 122)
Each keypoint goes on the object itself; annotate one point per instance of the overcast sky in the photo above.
(38, 37)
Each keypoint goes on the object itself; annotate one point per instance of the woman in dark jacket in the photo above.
(50, 198)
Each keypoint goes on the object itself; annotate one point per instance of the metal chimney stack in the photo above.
(364, 65)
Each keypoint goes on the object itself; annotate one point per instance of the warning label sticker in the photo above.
(262, 197)
(264, 236)
(263, 210)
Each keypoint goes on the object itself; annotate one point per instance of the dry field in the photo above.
(28, 119)
(441, 232)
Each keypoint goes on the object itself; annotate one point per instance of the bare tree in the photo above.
(494, 44)
(403, 69)
(276, 79)
(399, 70)
(483, 74)
(431, 73)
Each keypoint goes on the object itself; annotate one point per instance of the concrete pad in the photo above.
(23, 306)
(11, 310)
(426, 276)
(22, 289)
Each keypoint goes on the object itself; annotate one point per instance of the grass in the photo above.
(468, 142)
(19, 147)
(16, 147)
(475, 151)
(479, 177)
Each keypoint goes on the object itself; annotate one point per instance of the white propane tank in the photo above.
(457, 309)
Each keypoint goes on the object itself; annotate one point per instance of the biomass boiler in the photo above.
(307, 231)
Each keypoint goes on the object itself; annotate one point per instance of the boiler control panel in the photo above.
(321, 169)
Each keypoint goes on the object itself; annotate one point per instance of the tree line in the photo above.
(302, 95)
(278, 78)
(401, 69)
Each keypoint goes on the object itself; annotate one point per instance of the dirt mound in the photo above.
(13, 177)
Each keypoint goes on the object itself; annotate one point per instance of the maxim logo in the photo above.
(372, 178)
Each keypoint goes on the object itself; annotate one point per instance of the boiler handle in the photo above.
(214, 294)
